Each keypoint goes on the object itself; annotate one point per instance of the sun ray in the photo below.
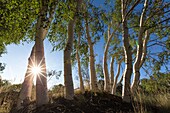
(39, 78)
(36, 70)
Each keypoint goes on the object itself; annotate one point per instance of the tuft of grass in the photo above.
(150, 103)
(163, 102)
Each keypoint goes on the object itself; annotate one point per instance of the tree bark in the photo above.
(105, 65)
(79, 66)
(111, 73)
(126, 95)
(145, 41)
(41, 78)
(26, 89)
(93, 79)
(42, 27)
(68, 81)
(121, 79)
(116, 78)
(136, 67)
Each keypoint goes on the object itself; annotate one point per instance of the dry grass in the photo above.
(143, 103)
(150, 103)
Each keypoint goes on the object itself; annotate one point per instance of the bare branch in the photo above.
(131, 9)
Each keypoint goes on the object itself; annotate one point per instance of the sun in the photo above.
(36, 70)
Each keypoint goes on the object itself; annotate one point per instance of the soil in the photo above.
(82, 103)
(85, 103)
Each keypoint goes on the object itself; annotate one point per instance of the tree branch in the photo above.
(131, 9)
(157, 24)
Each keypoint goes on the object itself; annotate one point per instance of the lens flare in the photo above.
(36, 70)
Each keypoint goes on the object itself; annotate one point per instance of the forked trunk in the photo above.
(79, 66)
(43, 24)
(111, 73)
(26, 89)
(136, 67)
(93, 79)
(105, 66)
(41, 78)
(126, 95)
(116, 78)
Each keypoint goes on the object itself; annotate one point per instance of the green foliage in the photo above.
(96, 25)
(2, 48)
(85, 69)
(159, 59)
(54, 73)
(2, 67)
(157, 83)
(16, 19)
(99, 70)
(66, 10)
(57, 90)
(4, 83)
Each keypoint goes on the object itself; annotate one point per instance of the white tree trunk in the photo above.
(126, 95)
(111, 73)
(105, 66)
(79, 66)
(42, 27)
(26, 89)
(68, 81)
(145, 41)
(136, 67)
(41, 79)
(116, 78)
(93, 79)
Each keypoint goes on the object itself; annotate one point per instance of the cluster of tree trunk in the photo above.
(37, 58)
